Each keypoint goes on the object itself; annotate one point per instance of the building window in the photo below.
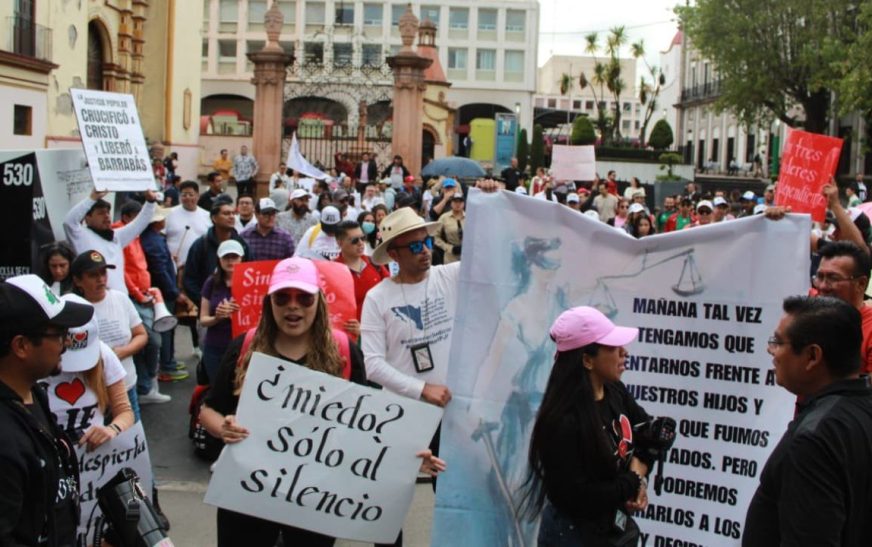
(395, 50)
(288, 47)
(373, 15)
(637, 125)
(256, 12)
(289, 10)
(344, 14)
(228, 15)
(372, 55)
(576, 105)
(342, 54)
(515, 20)
(313, 53)
(22, 120)
(487, 19)
(457, 58)
(252, 46)
(431, 13)
(486, 59)
(552, 103)
(397, 11)
(458, 18)
(588, 105)
(205, 50)
(627, 107)
(515, 61)
(227, 51)
(625, 125)
(315, 13)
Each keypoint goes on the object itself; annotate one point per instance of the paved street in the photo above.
(183, 478)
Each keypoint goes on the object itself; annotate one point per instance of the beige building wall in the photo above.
(439, 118)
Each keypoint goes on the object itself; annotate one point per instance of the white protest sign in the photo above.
(96, 468)
(573, 162)
(113, 140)
(323, 453)
(705, 300)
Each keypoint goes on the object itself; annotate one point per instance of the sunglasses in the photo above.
(303, 299)
(355, 240)
(417, 247)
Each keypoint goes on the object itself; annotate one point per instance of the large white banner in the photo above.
(323, 454)
(705, 301)
(573, 162)
(96, 468)
(113, 141)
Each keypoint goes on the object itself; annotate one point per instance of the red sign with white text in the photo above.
(807, 163)
(251, 283)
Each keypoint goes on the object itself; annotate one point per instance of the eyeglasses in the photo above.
(773, 343)
(283, 298)
(417, 247)
(829, 280)
(355, 240)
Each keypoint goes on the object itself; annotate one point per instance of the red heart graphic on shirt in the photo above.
(70, 391)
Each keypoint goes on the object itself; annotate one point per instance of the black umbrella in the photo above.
(453, 166)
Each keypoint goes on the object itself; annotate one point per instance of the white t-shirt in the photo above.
(398, 317)
(180, 239)
(74, 402)
(116, 317)
(323, 246)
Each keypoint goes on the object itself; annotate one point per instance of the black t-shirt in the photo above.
(66, 502)
(221, 398)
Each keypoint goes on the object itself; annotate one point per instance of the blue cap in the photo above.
(449, 183)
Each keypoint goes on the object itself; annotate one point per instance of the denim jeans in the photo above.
(212, 360)
(134, 403)
(556, 530)
(147, 359)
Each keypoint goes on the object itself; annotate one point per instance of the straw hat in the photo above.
(399, 222)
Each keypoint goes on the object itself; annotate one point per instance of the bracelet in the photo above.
(115, 428)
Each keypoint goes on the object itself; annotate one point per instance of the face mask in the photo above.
(368, 227)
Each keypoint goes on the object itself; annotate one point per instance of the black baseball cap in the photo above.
(87, 262)
(27, 303)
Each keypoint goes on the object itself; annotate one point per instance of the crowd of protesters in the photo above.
(401, 238)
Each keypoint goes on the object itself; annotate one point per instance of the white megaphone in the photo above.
(163, 320)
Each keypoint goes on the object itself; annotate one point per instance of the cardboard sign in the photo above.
(17, 193)
(700, 357)
(113, 140)
(129, 449)
(573, 162)
(323, 454)
(251, 283)
(807, 163)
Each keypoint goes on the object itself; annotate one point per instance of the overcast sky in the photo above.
(564, 23)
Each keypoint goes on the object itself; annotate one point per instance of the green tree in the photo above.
(661, 136)
(537, 149)
(649, 92)
(522, 152)
(856, 70)
(582, 131)
(778, 58)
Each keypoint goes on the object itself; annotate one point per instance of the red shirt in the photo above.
(370, 276)
(136, 275)
(866, 349)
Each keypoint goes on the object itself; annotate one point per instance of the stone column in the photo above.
(408, 102)
(270, 71)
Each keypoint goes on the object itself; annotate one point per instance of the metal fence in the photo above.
(321, 151)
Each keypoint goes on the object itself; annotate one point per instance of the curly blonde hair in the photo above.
(323, 354)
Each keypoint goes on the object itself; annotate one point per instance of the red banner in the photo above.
(807, 163)
(337, 284)
(251, 283)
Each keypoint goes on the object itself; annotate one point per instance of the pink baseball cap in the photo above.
(581, 326)
(295, 273)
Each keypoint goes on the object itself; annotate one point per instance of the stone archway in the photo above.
(99, 56)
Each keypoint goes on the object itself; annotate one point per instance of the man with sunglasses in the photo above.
(367, 275)
(39, 491)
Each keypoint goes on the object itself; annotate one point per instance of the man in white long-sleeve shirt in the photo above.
(96, 232)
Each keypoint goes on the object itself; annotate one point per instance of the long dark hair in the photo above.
(62, 249)
(569, 396)
(371, 237)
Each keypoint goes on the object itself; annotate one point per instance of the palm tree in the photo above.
(648, 92)
(614, 42)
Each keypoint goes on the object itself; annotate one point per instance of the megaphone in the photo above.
(164, 321)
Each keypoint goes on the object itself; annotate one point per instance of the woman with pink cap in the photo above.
(294, 326)
(587, 473)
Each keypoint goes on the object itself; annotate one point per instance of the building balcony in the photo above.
(700, 93)
(26, 38)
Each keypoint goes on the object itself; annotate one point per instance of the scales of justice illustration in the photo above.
(689, 282)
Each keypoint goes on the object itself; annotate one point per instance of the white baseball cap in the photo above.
(299, 193)
(330, 215)
(636, 208)
(718, 201)
(83, 350)
(230, 247)
(572, 197)
(264, 205)
(592, 214)
(705, 203)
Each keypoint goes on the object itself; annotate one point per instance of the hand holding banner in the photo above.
(808, 162)
(322, 454)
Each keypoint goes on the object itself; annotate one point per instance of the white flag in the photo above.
(298, 163)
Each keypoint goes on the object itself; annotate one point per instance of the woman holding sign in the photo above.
(587, 473)
(217, 306)
(294, 326)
